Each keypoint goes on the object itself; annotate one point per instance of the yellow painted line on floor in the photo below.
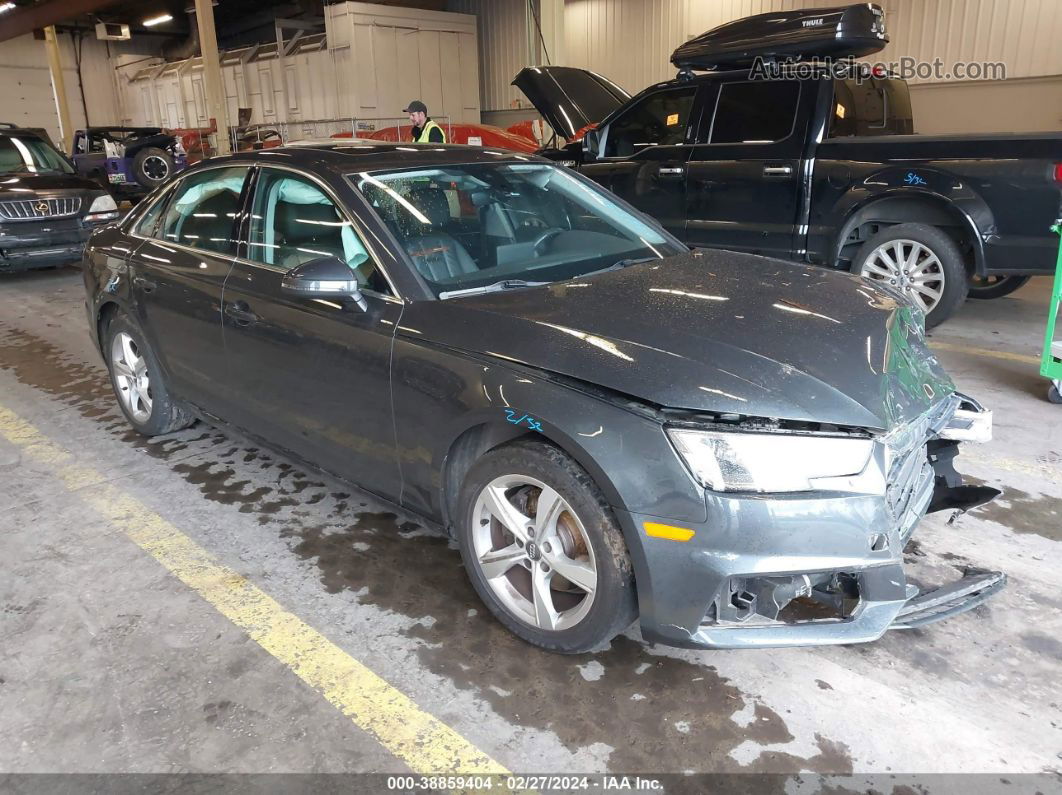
(987, 353)
(419, 739)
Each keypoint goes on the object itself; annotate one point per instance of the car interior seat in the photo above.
(307, 232)
(437, 254)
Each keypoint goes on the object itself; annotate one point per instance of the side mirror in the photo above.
(327, 277)
(591, 145)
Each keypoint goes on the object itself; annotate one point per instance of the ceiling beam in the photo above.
(26, 19)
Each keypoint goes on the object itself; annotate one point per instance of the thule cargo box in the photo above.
(844, 32)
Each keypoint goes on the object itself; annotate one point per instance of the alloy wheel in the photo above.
(156, 167)
(131, 377)
(909, 266)
(534, 553)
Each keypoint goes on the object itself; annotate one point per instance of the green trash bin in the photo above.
(1051, 363)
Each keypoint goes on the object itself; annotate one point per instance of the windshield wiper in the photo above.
(505, 284)
(618, 265)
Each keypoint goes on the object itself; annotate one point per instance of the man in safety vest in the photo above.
(425, 131)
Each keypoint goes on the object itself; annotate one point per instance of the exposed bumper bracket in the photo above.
(973, 589)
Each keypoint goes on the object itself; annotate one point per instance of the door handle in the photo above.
(777, 171)
(240, 312)
(671, 171)
(144, 284)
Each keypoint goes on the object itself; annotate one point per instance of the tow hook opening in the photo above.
(786, 599)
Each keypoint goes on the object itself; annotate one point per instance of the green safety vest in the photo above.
(426, 130)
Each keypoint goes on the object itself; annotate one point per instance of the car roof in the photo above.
(359, 154)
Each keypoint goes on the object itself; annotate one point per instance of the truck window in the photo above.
(871, 107)
(656, 120)
(759, 111)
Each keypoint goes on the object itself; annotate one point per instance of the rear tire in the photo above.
(1054, 392)
(921, 261)
(563, 526)
(138, 382)
(152, 166)
(988, 287)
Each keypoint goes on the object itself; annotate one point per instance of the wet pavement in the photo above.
(110, 664)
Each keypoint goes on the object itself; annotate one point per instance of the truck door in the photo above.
(743, 175)
(644, 153)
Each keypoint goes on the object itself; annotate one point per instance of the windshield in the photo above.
(27, 154)
(468, 226)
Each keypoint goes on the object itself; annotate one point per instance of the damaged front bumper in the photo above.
(770, 570)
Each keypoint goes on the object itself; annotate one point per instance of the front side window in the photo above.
(657, 120)
(27, 154)
(756, 112)
(203, 210)
(474, 225)
(293, 221)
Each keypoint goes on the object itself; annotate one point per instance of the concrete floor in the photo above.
(108, 663)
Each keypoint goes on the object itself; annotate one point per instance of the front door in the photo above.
(313, 375)
(743, 178)
(178, 271)
(645, 153)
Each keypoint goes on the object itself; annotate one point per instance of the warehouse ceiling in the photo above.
(238, 22)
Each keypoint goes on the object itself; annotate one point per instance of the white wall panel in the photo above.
(630, 40)
(503, 48)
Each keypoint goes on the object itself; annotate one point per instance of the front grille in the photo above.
(33, 209)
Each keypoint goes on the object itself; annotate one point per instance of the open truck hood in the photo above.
(568, 98)
(712, 331)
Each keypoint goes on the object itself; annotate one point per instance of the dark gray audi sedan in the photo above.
(731, 449)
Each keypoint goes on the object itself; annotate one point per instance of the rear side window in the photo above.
(871, 107)
(656, 120)
(145, 227)
(755, 112)
(203, 210)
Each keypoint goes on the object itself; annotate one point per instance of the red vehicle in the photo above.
(469, 134)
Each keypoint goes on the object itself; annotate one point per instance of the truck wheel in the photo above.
(543, 550)
(152, 166)
(987, 287)
(920, 260)
(1054, 392)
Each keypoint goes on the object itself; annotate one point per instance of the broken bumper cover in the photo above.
(802, 569)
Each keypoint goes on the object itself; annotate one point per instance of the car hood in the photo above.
(25, 186)
(712, 331)
(568, 98)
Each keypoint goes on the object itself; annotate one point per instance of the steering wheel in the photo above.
(541, 243)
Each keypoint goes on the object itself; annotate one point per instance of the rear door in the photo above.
(743, 175)
(312, 375)
(645, 151)
(187, 248)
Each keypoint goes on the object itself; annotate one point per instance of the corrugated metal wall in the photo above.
(630, 40)
(503, 47)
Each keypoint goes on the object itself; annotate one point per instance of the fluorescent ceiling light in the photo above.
(6, 7)
(157, 20)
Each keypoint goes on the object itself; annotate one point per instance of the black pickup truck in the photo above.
(812, 165)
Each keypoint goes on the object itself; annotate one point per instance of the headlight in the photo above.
(769, 462)
(103, 208)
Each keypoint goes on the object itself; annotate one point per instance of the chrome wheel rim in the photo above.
(131, 377)
(909, 266)
(534, 552)
(155, 167)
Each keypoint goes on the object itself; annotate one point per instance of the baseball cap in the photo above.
(416, 106)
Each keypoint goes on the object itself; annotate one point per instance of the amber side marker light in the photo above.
(655, 530)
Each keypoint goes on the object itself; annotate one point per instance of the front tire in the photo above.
(138, 382)
(543, 550)
(988, 287)
(921, 261)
